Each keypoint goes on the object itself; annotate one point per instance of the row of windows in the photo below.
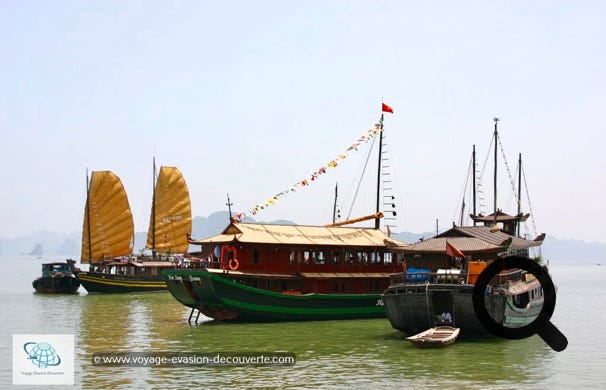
(341, 257)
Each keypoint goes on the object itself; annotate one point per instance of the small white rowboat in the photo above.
(440, 336)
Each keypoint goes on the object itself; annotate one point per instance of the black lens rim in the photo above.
(549, 297)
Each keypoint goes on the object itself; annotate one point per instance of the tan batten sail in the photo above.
(170, 220)
(108, 230)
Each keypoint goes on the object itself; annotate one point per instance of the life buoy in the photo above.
(234, 264)
(228, 255)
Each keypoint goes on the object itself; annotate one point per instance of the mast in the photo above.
(473, 158)
(90, 249)
(519, 193)
(334, 207)
(153, 211)
(496, 135)
(378, 209)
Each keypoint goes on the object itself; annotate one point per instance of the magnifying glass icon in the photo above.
(490, 293)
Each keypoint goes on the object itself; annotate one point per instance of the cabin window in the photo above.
(373, 257)
(291, 259)
(256, 256)
(312, 257)
(387, 258)
(320, 257)
(335, 257)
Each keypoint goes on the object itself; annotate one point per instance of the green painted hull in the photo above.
(220, 298)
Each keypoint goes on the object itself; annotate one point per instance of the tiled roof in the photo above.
(472, 239)
(295, 235)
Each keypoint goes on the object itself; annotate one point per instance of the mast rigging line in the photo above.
(481, 176)
(365, 138)
(511, 181)
(534, 231)
(458, 209)
(370, 149)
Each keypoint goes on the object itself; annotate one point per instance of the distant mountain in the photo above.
(68, 245)
(43, 242)
(37, 251)
(574, 251)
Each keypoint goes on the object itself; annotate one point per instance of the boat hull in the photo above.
(217, 297)
(56, 285)
(98, 282)
(414, 308)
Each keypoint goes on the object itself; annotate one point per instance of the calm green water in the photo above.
(335, 354)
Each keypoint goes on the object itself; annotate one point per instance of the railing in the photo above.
(439, 277)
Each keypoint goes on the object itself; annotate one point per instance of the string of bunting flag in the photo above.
(362, 140)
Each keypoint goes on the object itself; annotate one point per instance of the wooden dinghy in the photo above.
(440, 336)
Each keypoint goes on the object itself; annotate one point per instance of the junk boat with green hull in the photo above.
(264, 272)
(440, 274)
(254, 272)
(108, 234)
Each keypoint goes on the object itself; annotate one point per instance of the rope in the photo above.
(459, 211)
(513, 186)
(481, 178)
(353, 202)
(529, 205)
(427, 301)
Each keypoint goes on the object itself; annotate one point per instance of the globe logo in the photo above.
(42, 355)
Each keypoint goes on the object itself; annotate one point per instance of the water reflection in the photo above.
(123, 323)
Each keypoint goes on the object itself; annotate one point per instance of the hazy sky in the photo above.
(249, 97)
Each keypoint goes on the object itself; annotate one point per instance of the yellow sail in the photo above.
(170, 220)
(108, 230)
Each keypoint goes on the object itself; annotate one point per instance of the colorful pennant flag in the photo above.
(364, 139)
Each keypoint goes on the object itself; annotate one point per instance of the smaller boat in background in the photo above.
(439, 336)
(57, 278)
(108, 234)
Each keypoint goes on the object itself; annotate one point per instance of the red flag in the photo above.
(386, 108)
(452, 251)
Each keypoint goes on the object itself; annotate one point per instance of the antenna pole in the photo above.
(229, 204)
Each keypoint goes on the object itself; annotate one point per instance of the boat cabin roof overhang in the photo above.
(302, 236)
(472, 240)
(501, 217)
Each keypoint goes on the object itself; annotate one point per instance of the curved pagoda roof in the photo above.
(473, 240)
(501, 217)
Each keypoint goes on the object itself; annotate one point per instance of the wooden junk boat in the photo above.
(268, 272)
(108, 234)
(441, 272)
